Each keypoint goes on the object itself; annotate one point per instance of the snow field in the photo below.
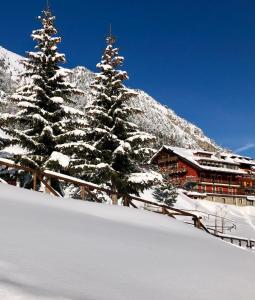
(55, 248)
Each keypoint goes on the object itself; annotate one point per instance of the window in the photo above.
(202, 176)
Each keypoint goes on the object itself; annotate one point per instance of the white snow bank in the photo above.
(244, 217)
(55, 248)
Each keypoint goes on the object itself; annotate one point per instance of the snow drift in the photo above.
(243, 217)
(55, 248)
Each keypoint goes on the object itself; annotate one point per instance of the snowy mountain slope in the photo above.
(12, 62)
(156, 118)
(66, 249)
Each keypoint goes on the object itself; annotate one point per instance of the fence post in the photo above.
(82, 189)
(48, 181)
(197, 222)
(114, 197)
(125, 201)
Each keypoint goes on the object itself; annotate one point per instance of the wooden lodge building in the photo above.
(220, 177)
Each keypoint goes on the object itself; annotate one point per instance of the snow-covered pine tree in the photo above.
(3, 141)
(5, 78)
(45, 124)
(165, 192)
(118, 147)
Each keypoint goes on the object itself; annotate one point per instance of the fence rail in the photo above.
(241, 242)
(87, 187)
(127, 200)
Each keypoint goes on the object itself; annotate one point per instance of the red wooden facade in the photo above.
(207, 172)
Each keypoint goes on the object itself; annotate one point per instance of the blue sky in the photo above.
(197, 57)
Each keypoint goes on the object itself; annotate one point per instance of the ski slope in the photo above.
(55, 248)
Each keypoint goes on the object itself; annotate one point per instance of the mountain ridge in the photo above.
(156, 118)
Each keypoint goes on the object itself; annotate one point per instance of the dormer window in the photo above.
(203, 154)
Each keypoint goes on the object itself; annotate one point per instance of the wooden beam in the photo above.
(91, 194)
(88, 186)
(82, 192)
(132, 204)
(50, 188)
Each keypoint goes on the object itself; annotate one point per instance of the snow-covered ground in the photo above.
(242, 217)
(55, 248)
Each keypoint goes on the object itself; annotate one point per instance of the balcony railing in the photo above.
(172, 171)
(238, 192)
(167, 159)
(220, 181)
(210, 181)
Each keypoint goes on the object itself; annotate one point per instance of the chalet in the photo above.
(221, 177)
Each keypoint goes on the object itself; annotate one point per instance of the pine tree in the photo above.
(3, 141)
(45, 124)
(165, 192)
(5, 78)
(117, 146)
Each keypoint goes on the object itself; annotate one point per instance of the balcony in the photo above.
(172, 171)
(167, 160)
(219, 181)
(211, 181)
(239, 192)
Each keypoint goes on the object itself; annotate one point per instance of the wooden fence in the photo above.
(238, 241)
(85, 187)
(88, 188)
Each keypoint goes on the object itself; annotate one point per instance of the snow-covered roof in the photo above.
(193, 193)
(212, 161)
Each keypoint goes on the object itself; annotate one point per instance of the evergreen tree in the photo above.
(117, 146)
(165, 192)
(3, 141)
(5, 78)
(45, 123)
